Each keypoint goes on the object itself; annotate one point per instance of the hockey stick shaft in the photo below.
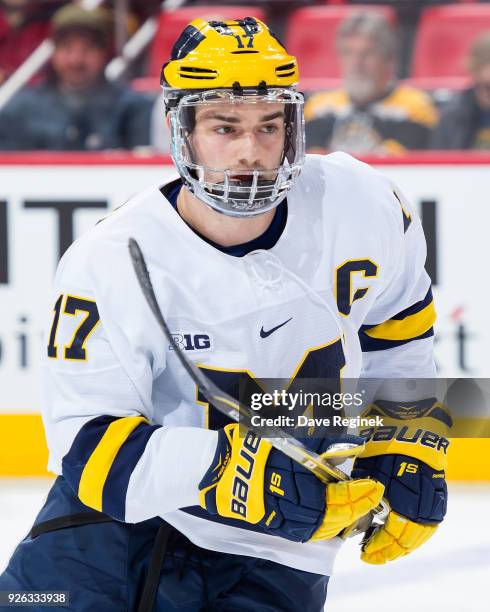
(239, 412)
(222, 401)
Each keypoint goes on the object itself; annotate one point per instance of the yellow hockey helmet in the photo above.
(222, 54)
(237, 62)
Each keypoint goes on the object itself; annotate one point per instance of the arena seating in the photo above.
(443, 39)
(171, 23)
(310, 35)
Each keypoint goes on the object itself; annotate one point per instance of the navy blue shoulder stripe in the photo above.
(369, 344)
(417, 307)
(84, 444)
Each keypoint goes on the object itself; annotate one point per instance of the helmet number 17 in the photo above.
(239, 40)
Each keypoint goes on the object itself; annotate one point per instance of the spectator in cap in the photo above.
(465, 122)
(76, 108)
(371, 113)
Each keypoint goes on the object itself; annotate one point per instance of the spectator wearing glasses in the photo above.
(76, 108)
(465, 122)
(371, 112)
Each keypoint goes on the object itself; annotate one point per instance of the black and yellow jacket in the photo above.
(401, 119)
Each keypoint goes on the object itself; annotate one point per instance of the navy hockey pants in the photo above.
(109, 566)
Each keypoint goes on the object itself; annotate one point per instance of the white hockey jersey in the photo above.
(125, 424)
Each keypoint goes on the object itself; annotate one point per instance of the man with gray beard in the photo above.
(371, 113)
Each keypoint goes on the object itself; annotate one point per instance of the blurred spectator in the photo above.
(371, 113)
(77, 108)
(24, 24)
(408, 14)
(465, 122)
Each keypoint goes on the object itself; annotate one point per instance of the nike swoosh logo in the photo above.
(265, 334)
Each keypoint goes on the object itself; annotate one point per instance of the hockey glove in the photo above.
(252, 482)
(408, 455)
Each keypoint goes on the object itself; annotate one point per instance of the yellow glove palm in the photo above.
(399, 536)
(347, 502)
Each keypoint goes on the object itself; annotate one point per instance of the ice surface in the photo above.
(450, 573)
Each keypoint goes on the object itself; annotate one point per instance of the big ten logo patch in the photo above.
(192, 342)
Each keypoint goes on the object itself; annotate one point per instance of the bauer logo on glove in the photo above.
(263, 487)
(411, 467)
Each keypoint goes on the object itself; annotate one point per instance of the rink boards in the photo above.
(47, 201)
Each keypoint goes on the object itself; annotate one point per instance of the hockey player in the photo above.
(265, 264)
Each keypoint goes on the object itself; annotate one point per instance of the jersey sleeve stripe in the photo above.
(415, 308)
(409, 324)
(117, 481)
(369, 344)
(97, 468)
(406, 329)
(82, 447)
